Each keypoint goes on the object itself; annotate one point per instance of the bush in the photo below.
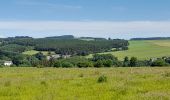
(133, 62)
(102, 79)
(98, 64)
(108, 63)
(67, 65)
(159, 62)
(84, 64)
(57, 64)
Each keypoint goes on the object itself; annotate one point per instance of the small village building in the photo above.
(8, 63)
(66, 56)
(57, 56)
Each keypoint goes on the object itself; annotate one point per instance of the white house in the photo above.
(53, 56)
(8, 63)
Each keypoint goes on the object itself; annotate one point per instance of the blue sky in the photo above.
(101, 18)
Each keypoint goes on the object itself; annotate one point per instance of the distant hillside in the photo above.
(152, 38)
(91, 38)
(62, 37)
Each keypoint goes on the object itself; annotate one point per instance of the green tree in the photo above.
(133, 62)
(126, 62)
(159, 62)
(108, 63)
(67, 65)
(84, 64)
(98, 64)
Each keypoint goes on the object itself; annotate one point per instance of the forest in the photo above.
(12, 48)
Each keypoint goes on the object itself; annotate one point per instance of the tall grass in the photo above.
(80, 84)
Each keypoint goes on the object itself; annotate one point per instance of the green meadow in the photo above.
(145, 49)
(142, 83)
(33, 52)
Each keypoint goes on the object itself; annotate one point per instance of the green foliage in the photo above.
(57, 64)
(133, 62)
(102, 79)
(159, 62)
(97, 57)
(15, 48)
(70, 46)
(40, 56)
(108, 63)
(67, 65)
(85, 64)
(126, 62)
(98, 64)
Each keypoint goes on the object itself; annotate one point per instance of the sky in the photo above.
(98, 18)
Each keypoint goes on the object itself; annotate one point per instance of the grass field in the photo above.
(145, 49)
(33, 52)
(81, 84)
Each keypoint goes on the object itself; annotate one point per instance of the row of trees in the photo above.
(98, 60)
(69, 46)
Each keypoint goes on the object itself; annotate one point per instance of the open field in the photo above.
(145, 49)
(33, 52)
(81, 84)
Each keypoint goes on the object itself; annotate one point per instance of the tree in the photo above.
(133, 62)
(126, 62)
(57, 64)
(40, 56)
(85, 64)
(67, 65)
(98, 64)
(159, 62)
(108, 63)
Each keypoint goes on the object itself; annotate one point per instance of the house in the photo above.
(8, 63)
(66, 56)
(53, 56)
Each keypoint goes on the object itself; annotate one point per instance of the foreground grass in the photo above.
(81, 84)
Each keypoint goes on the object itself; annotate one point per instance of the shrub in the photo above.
(108, 63)
(57, 64)
(84, 64)
(102, 79)
(159, 62)
(67, 65)
(98, 64)
(133, 62)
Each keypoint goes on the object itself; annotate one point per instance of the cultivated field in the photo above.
(144, 49)
(81, 84)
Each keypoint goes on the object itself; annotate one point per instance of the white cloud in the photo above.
(88, 28)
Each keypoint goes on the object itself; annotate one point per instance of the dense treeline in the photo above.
(11, 50)
(98, 60)
(70, 46)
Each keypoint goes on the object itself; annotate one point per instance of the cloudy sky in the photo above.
(98, 18)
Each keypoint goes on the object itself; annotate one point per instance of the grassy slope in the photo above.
(33, 52)
(145, 49)
(81, 84)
